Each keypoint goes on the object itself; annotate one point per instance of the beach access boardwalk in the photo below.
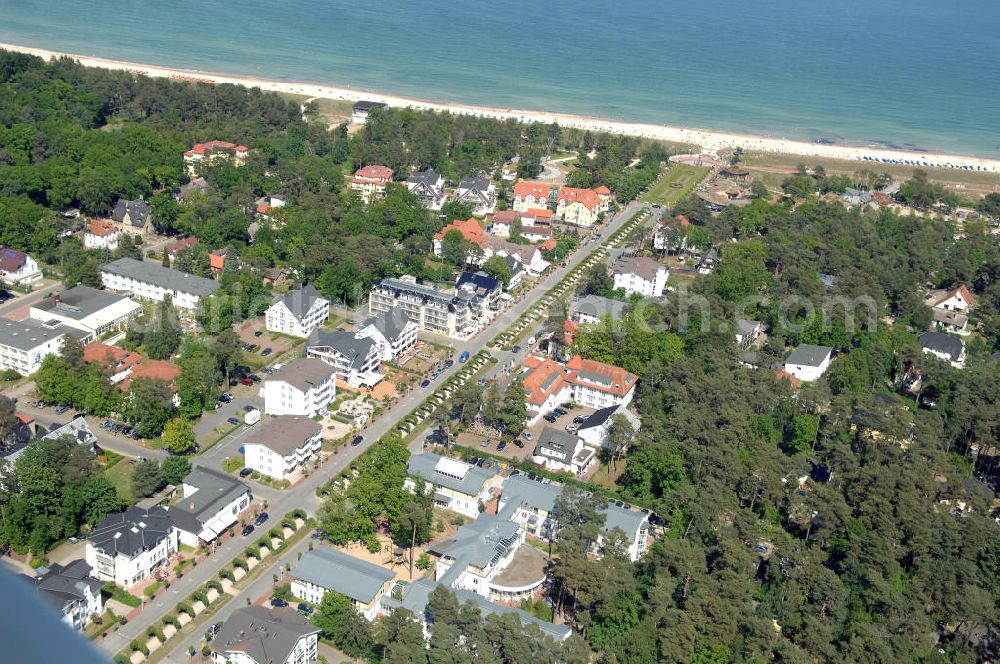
(303, 496)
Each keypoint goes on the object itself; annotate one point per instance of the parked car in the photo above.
(481, 382)
(247, 529)
(265, 352)
(501, 446)
(550, 418)
(261, 518)
(258, 333)
(61, 409)
(579, 419)
(278, 603)
(250, 348)
(246, 381)
(572, 428)
(357, 441)
(559, 411)
(267, 370)
(515, 349)
(449, 363)
(246, 472)
(527, 435)
(485, 442)
(247, 408)
(305, 609)
(255, 378)
(425, 383)
(233, 421)
(568, 405)
(518, 443)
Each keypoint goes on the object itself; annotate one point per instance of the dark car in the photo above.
(559, 411)
(233, 421)
(266, 352)
(550, 418)
(579, 419)
(357, 441)
(425, 383)
(247, 408)
(515, 349)
(246, 472)
(258, 333)
(501, 446)
(255, 378)
(247, 529)
(267, 370)
(305, 608)
(517, 441)
(261, 518)
(279, 603)
(449, 363)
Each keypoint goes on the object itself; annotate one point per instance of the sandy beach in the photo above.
(708, 141)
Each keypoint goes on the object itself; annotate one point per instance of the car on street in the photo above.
(464, 357)
(258, 333)
(278, 603)
(246, 381)
(265, 352)
(255, 378)
(267, 370)
(247, 529)
(246, 472)
(234, 421)
(357, 441)
(449, 363)
(425, 383)
(261, 518)
(61, 409)
(515, 349)
(481, 382)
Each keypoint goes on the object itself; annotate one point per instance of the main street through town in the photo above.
(303, 495)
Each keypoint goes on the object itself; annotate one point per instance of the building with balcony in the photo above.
(297, 312)
(259, 635)
(281, 444)
(444, 312)
(71, 591)
(145, 280)
(130, 546)
(324, 569)
(304, 386)
(457, 486)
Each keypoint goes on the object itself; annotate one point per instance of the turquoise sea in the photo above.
(910, 73)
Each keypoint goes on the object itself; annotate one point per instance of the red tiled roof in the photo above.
(263, 208)
(470, 230)
(602, 191)
(212, 146)
(100, 228)
(112, 358)
(682, 220)
(24, 419)
(621, 381)
(540, 213)
(588, 197)
(179, 245)
(548, 245)
(545, 377)
(536, 189)
(374, 172)
(781, 374)
(159, 369)
(217, 261)
(961, 290)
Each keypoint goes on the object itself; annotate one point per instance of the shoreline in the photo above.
(709, 141)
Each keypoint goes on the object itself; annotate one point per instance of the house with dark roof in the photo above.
(593, 431)
(517, 272)
(808, 362)
(323, 570)
(356, 359)
(151, 281)
(392, 332)
(18, 268)
(71, 591)
(304, 386)
(298, 312)
(198, 184)
(747, 332)
(361, 109)
(76, 429)
(944, 346)
(211, 502)
(258, 635)
(281, 444)
(592, 309)
(133, 216)
(560, 451)
(951, 309)
(485, 290)
(428, 186)
(458, 486)
(478, 192)
(131, 546)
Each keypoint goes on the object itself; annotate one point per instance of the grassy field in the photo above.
(120, 475)
(677, 181)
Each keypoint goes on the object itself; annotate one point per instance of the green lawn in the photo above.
(677, 182)
(120, 475)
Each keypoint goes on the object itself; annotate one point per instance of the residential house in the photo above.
(24, 344)
(854, 197)
(298, 312)
(579, 206)
(356, 359)
(88, 309)
(175, 247)
(259, 635)
(534, 226)
(161, 370)
(604, 194)
(593, 431)
(944, 346)
(214, 152)
(217, 259)
(133, 217)
(586, 382)
(417, 595)
(592, 309)
(517, 272)
(747, 332)
(211, 502)
(709, 261)
(101, 235)
(151, 281)
(528, 255)
(478, 192)
(428, 186)
(323, 570)
(371, 182)
(198, 184)
(18, 268)
(670, 235)
(457, 486)
(304, 386)
(529, 502)
(444, 312)
(116, 363)
(808, 362)
(639, 275)
(392, 332)
(529, 196)
(15, 440)
(560, 451)
(361, 109)
(265, 204)
(70, 591)
(130, 546)
(77, 429)
(471, 232)
(951, 309)
(485, 289)
(281, 444)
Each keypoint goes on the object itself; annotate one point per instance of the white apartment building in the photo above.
(146, 280)
(298, 312)
(281, 444)
(71, 591)
(479, 553)
(324, 569)
(258, 635)
(130, 546)
(18, 268)
(101, 235)
(354, 357)
(88, 309)
(304, 386)
(212, 502)
(457, 486)
(808, 362)
(24, 344)
(445, 312)
(640, 275)
(392, 332)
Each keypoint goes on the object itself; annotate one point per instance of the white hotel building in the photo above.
(151, 281)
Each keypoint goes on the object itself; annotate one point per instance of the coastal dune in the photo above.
(708, 141)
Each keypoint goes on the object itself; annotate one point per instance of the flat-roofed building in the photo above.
(89, 309)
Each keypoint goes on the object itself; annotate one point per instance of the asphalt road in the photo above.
(303, 495)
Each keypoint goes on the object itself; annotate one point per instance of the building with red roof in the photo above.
(579, 206)
(101, 234)
(371, 181)
(470, 229)
(585, 382)
(214, 151)
(17, 267)
(115, 362)
(531, 195)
